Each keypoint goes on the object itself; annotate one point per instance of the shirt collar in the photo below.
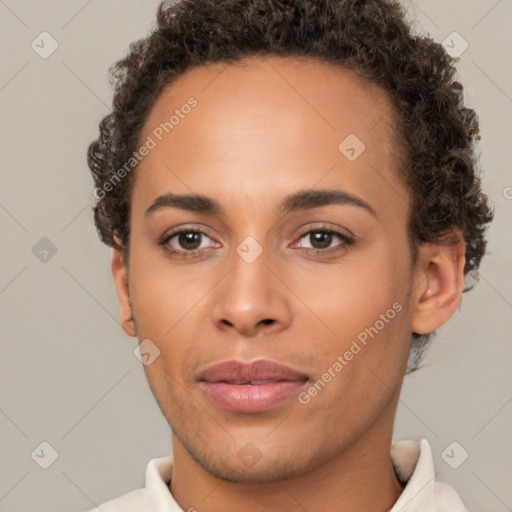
(413, 463)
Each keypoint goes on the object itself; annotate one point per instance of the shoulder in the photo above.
(155, 495)
(134, 501)
(447, 499)
(414, 467)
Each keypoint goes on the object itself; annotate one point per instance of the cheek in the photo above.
(363, 302)
(351, 296)
(162, 294)
(168, 309)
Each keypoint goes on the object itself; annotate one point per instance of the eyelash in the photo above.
(347, 241)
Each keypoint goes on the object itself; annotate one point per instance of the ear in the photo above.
(119, 273)
(439, 282)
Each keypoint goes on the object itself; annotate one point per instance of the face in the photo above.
(292, 271)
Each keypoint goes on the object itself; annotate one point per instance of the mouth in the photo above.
(250, 387)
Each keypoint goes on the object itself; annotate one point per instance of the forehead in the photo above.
(265, 123)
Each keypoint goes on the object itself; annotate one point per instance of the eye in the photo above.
(321, 240)
(187, 242)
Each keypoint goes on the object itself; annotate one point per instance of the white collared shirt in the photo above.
(412, 461)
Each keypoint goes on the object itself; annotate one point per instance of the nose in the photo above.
(251, 299)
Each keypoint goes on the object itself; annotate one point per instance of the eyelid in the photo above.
(184, 228)
(347, 238)
(171, 251)
(324, 226)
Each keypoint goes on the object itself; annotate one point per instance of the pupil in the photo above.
(323, 237)
(189, 240)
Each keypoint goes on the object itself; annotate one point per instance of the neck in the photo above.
(359, 478)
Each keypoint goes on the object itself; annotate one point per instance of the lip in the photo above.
(250, 387)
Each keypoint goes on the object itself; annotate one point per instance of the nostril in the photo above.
(268, 321)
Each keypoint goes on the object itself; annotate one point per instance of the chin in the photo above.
(232, 471)
(247, 465)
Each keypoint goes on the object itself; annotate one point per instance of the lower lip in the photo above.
(249, 397)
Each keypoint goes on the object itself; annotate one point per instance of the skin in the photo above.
(262, 131)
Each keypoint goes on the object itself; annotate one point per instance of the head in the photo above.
(293, 181)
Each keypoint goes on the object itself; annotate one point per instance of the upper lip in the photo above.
(242, 372)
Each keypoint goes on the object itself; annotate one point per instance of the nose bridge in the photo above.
(250, 272)
(251, 297)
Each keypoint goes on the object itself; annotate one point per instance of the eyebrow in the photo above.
(298, 201)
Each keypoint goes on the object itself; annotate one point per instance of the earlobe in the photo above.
(439, 283)
(120, 276)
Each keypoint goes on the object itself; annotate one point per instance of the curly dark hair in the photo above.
(371, 37)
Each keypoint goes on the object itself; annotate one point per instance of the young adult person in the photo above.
(291, 195)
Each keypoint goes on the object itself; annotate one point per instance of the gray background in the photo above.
(68, 374)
